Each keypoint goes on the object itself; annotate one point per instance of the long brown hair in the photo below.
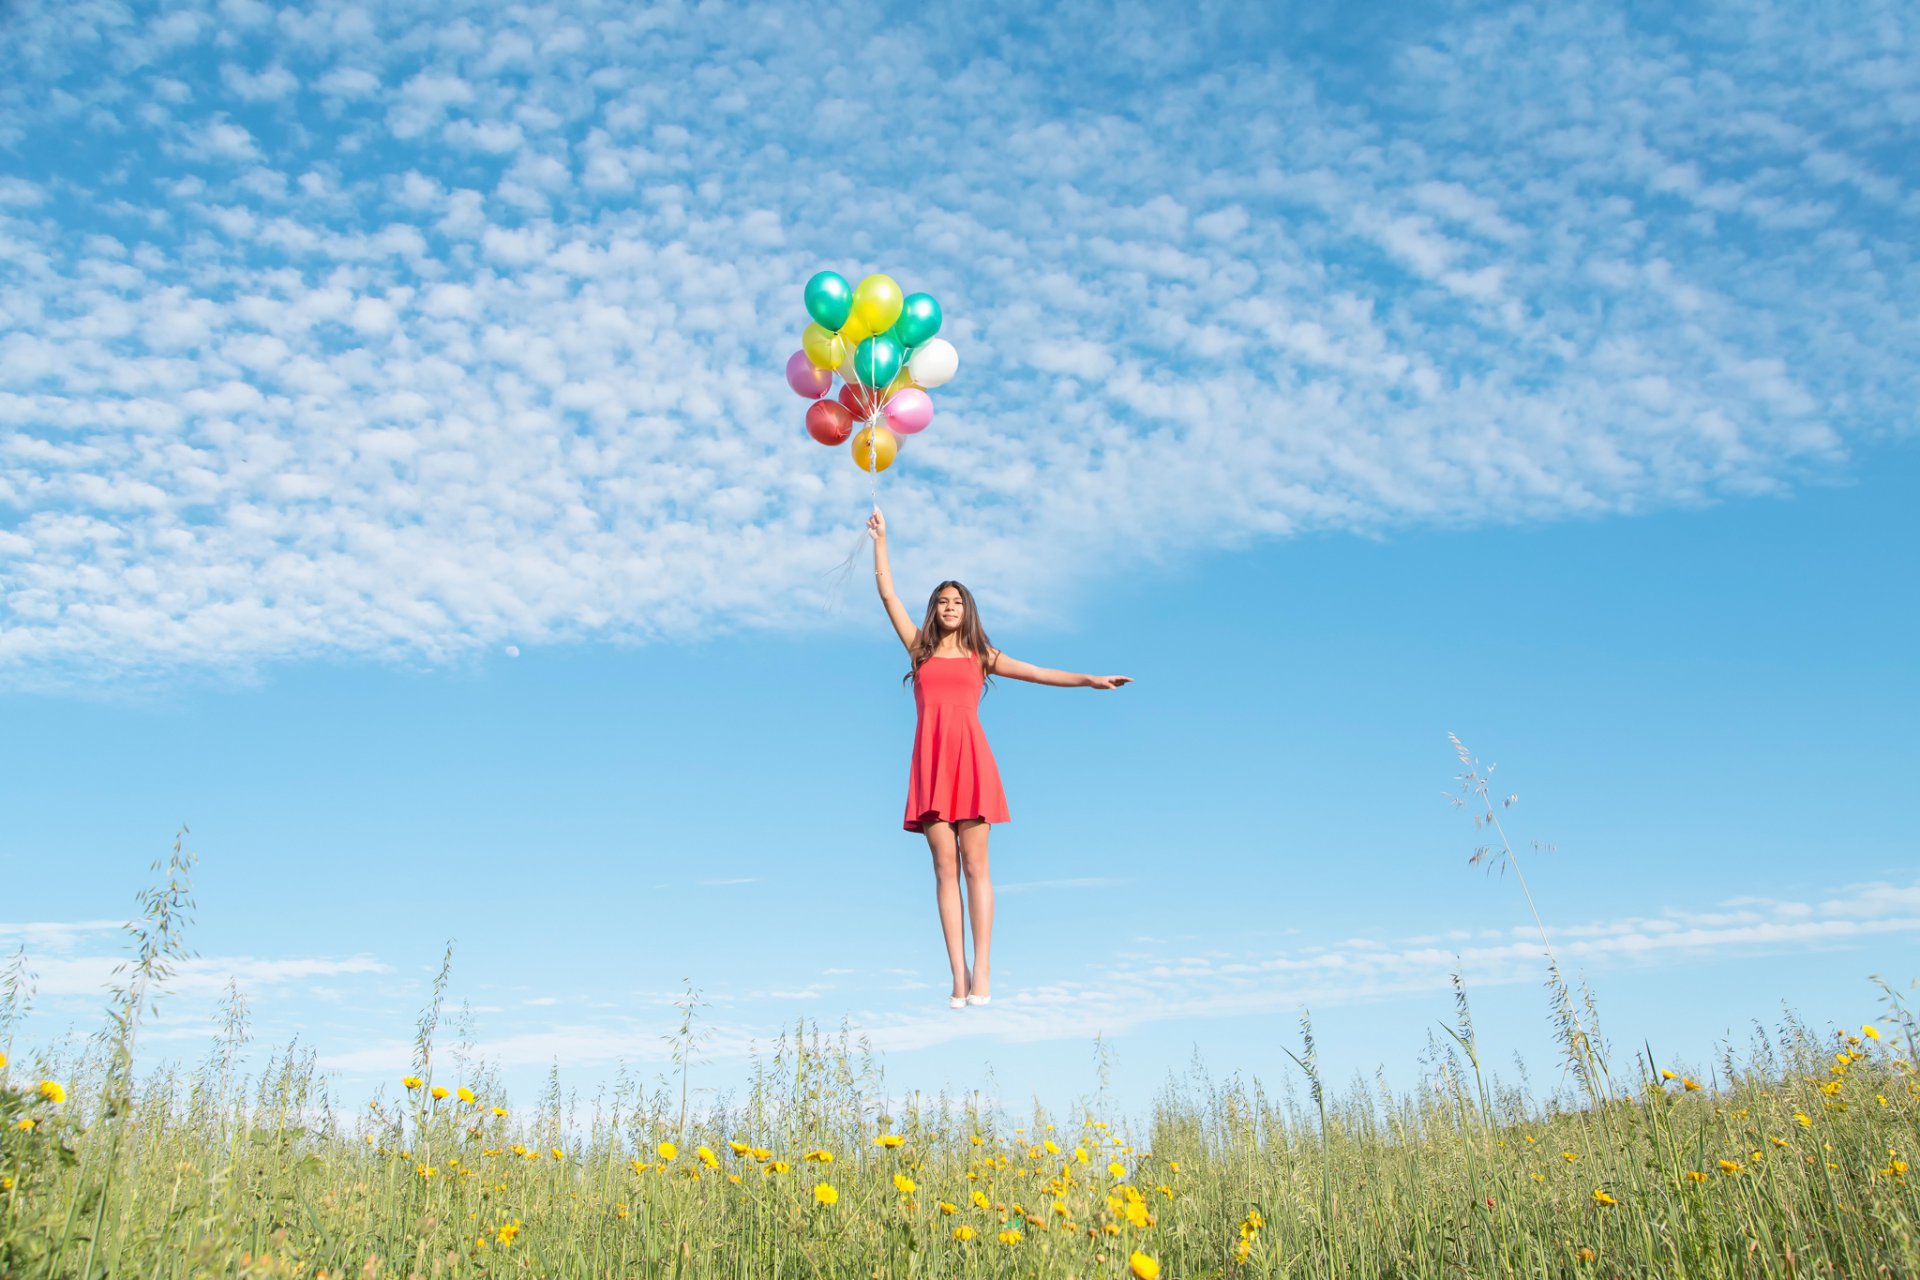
(973, 637)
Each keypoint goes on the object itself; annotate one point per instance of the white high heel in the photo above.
(973, 999)
(956, 1002)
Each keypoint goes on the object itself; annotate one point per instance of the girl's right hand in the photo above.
(877, 526)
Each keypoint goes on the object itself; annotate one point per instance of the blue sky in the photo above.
(398, 484)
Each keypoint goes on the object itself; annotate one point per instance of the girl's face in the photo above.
(950, 609)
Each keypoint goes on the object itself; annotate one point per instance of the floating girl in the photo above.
(953, 785)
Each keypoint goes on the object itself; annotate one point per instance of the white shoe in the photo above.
(978, 999)
(957, 1002)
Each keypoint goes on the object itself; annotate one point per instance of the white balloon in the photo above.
(933, 363)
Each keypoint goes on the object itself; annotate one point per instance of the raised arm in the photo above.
(883, 578)
(1005, 666)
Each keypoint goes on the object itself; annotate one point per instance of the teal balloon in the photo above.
(829, 299)
(876, 360)
(919, 319)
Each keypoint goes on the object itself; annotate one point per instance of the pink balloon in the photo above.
(909, 411)
(807, 380)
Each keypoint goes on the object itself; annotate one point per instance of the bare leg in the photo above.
(973, 859)
(946, 890)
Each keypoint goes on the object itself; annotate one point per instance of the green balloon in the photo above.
(919, 319)
(876, 360)
(829, 299)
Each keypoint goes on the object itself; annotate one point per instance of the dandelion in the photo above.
(52, 1092)
(963, 1233)
(1602, 1198)
(465, 1095)
(1143, 1266)
(667, 1150)
(903, 1184)
(410, 1082)
(824, 1193)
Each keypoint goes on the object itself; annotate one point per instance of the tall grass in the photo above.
(1790, 1159)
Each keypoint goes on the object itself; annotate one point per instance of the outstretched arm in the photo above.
(883, 578)
(1005, 666)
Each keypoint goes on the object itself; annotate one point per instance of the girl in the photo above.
(953, 786)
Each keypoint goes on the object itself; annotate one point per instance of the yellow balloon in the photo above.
(885, 446)
(901, 381)
(855, 331)
(876, 303)
(825, 349)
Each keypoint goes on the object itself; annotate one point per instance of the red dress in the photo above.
(953, 775)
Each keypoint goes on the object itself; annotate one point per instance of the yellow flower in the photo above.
(424, 1170)
(1137, 1214)
(903, 1184)
(1694, 1175)
(500, 1111)
(963, 1233)
(1117, 1170)
(980, 1200)
(1601, 1197)
(1585, 1254)
(438, 1091)
(558, 1154)
(977, 1140)
(1778, 1142)
(1010, 1236)
(707, 1157)
(1243, 1250)
(1667, 1075)
(820, 1155)
(1080, 1154)
(1569, 1156)
(3, 1060)
(761, 1154)
(1053, 1148)
(888, 1140)
(1870, 1031)
(1689, 1084)
(667, 1150)
(411, 1082)
(739, 1148)
(825, 1194)
(465, 1095)
(1802, 1119)
(1174, 1165)
(26, 1123)
(778, 1166)
(6, 1184)
(1143, 1267)
(948, 1206)
(507, 1232)
(1730, 1166)
(734, 1178)
(52, 1092)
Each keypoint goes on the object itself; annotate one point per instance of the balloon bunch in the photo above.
(884, 349)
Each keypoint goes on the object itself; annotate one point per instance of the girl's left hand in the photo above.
(1108, 682)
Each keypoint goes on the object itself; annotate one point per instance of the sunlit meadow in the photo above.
(1788, 1156)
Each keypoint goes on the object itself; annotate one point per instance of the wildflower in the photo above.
(465, 1095)
(1116, 1170)
(761, 1154)
(3, 1061)
(6, 1184)
(980, 1200)
(1778, 1142)
(667, 1150)
(1602, 1198)
(963, 1233)
(438, 1091)
(949, 1207)
(410, 1082)
(1870, 1031)
(778, 1166)
(26, 1123)
(739, 1148)
(707, 1157)
(558, 1154)
(734, 1178)
(507, 1232)
(1694, 1175)
(1137, 1214)
(824, 1193)
(1143, 1267)
(1730, 1166)
(1174, 1165)
(1243, 1250)
(1053, 1148)
(1689, 1084)
(977, 1140)
(1585, 1254)
(1569, 1156)
(1667, 1075)
(1802, 1119)
(424, 1170)
(820, 1155)
(903, 1184)
(501, 1112)
(52, 1092)
(1010, 1236)
(888, 1140)
(619, 1211)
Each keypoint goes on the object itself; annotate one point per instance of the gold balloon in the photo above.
(901, 381)
(877, 303)
(855, 331)
(825, 349)
(885, 446)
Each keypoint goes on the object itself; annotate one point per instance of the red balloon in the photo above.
(862, 402)
(829, 423)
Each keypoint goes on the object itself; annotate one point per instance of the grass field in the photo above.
(1791, 1159)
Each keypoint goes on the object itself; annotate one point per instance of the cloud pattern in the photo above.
(403, 331)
